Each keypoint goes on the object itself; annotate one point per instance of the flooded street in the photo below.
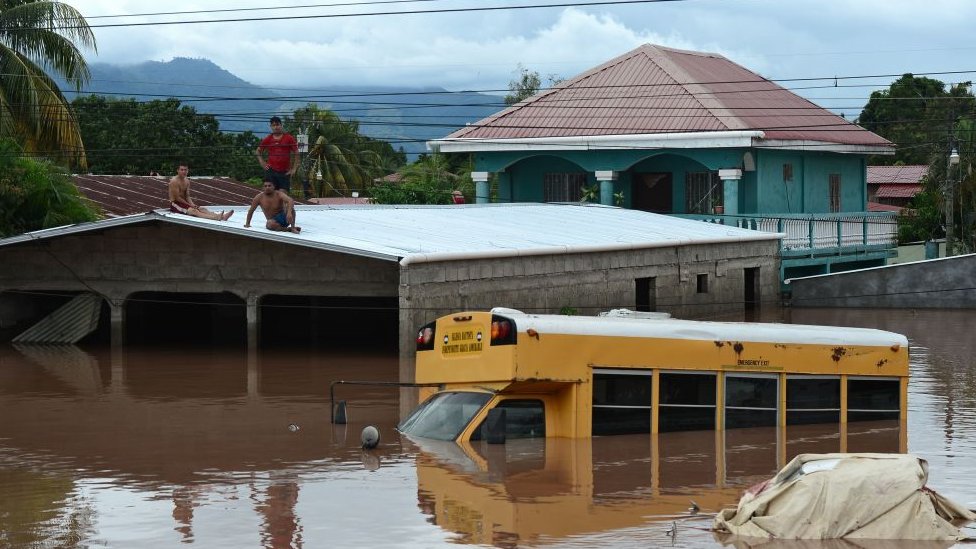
(156, 447)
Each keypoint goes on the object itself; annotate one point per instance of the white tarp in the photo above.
(850, 496)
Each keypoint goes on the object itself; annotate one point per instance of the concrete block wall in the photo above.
(164, 257)
(945, 283)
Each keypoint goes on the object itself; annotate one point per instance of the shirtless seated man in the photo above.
(277, 206)
(180, 201)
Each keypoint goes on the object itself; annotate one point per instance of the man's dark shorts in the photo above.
(281, 180)
(281, 219)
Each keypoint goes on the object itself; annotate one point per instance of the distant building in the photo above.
(894, 186)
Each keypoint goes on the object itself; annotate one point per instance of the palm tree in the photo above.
(340, 159)
(37, 36)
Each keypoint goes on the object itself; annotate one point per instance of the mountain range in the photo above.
(406, 117)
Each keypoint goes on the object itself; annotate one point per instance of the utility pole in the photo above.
(951, 201)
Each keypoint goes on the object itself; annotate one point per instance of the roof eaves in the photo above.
(581, 249)
(179, 219)
(825, 146)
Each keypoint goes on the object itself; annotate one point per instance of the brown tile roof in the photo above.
(119, 195)
(897, 191)
(912, 174)
(653, 89)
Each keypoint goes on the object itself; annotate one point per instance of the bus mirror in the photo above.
(495, 425)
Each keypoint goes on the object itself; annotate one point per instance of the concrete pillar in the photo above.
(117, 318)
(482, 191)
(253, 321)
(117, 383)
(253, 373)
(606, 179)
(730, 189)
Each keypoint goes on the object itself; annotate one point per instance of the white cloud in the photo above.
(799, 38)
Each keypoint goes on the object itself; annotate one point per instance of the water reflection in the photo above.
(529, 491)
(158, 447)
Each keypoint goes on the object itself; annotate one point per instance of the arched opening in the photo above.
(186, 319)
(329, 322)
(670, 183)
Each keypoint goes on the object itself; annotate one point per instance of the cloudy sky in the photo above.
(480, 50)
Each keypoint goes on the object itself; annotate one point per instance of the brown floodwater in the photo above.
(143, 447)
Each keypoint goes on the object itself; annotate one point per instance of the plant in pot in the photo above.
(717, 206)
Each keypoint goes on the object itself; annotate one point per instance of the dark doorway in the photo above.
(185, 319)
(652, 192)
(646, 289)
(752, 297)
(333, 322)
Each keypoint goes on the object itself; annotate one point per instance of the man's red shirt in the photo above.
(279, 151)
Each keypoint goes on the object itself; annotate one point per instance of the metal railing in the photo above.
(821, 233)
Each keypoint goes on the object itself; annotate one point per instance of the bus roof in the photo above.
(631, 326)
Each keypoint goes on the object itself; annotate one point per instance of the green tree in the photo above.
(36, 194)
(922, 220)
(340, 159)
(526, 85)
(125, 136)
(918, 114)
(429, 180)
(38, 35)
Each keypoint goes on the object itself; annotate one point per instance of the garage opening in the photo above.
(23, 310)
(195, 319)
(329, 322)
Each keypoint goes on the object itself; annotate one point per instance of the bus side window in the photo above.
(523, 419)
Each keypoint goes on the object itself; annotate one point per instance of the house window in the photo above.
(703, 190)
(563, 187)
(835, 192)
(703, 283)
(787, 172)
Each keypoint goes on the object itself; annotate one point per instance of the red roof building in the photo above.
(895, 185)
(687, 133)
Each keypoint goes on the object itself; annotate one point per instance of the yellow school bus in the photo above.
(506, 374)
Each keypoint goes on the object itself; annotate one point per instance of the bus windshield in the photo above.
(444, 415)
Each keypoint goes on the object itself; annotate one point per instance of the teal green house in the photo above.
(695, 135)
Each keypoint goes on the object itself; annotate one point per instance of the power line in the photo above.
(362, 14)
(268, 8)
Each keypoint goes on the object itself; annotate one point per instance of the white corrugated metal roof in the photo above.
(413, 234)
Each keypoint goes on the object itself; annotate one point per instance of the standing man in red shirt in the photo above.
(282, 156)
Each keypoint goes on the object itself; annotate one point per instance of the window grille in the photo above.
(835, 192)
(563, 187)
(703, 190)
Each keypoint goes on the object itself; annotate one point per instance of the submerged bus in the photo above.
(498, 374)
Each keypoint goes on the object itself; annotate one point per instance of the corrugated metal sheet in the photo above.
(70, 323)
(653, 90)
(897, 191)
(119, 195)
(452, 232)
(912, 174)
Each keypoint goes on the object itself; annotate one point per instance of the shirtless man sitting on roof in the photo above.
(277, 206)
(180, 201)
